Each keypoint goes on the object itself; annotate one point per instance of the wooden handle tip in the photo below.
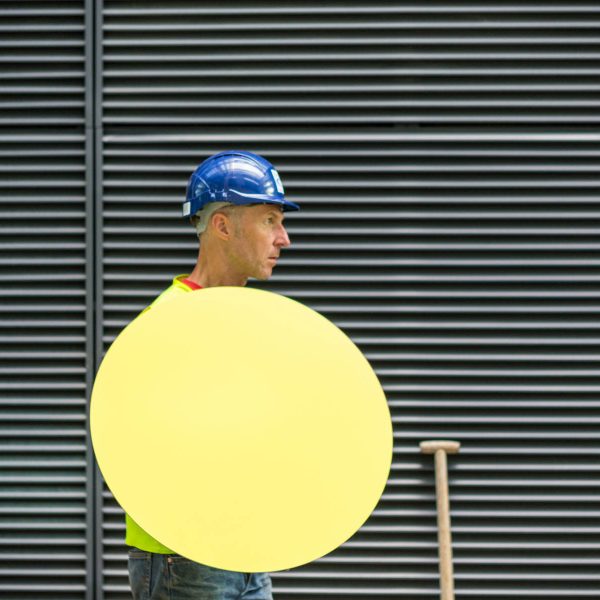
(432, 446)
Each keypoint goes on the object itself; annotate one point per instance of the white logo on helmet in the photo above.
(277, 180)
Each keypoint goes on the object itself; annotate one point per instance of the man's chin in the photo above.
(264, 275)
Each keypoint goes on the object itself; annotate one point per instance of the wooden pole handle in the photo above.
(441, 448)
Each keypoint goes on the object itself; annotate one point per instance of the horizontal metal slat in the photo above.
(360, 25)
(515, 137)
(350, 9)
(355, 86)
(181, 56)
(178, 40)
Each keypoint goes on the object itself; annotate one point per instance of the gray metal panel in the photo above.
(446, 160)
(45, 302)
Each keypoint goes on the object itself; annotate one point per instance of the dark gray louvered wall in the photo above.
(446, 158)
(46, 480)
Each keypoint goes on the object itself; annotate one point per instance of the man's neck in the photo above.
(206, 277)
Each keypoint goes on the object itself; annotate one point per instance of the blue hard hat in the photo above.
(238, 177)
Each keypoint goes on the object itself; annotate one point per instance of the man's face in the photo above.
(259, 237)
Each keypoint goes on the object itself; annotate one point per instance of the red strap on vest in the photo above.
(191, 284)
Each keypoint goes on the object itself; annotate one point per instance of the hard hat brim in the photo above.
(286, 205)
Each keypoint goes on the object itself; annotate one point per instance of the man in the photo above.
(235, 200)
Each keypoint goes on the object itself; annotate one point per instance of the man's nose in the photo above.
(283, 239)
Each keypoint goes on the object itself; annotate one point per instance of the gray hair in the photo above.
(202, 217)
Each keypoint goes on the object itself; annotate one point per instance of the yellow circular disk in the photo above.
(241, 429)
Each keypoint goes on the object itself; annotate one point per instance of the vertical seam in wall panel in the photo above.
(90, 361)
(98, 313)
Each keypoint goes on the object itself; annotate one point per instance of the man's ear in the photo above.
(221, 224)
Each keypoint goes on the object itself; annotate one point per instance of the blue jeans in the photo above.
(172, 577)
